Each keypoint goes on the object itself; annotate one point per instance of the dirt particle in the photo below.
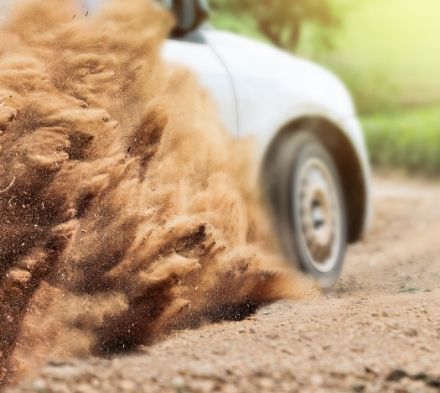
(396, 375)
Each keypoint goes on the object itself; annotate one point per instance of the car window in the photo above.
(194, 37)
(167, 3)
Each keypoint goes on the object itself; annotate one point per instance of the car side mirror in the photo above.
(190, 15)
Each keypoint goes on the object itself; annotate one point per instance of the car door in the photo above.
(193, 52)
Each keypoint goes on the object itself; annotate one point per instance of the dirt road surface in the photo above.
(379, 331)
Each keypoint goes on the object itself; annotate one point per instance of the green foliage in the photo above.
(388, 53)
(408, 140)
(278, 21)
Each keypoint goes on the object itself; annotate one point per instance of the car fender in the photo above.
(275, 89)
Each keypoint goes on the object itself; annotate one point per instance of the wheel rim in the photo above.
(318, 214)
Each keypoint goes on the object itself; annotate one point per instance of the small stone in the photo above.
(371, 371)
(230, 389)
(207, 371)
(202, 385)
(20, 276)
(127, 385)
(39, 384)
(411, 333)
(397, 375)
(316, 380)
(63, 373)
(95, 382)
(84, 388)
(434, 383)
(266, 384)
(178, 382)
(420, 377)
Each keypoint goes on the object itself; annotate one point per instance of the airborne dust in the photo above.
(126, 211)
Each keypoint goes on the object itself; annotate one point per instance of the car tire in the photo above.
(309, 206)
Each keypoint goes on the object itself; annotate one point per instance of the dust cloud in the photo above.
(126, 211)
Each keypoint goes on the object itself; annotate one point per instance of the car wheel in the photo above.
(309, 207)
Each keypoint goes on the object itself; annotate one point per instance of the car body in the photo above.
(313, 158)
(260, 91)
(274, 96)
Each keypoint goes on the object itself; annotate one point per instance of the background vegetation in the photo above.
(387, 52)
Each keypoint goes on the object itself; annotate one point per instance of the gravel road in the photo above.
(379, 331)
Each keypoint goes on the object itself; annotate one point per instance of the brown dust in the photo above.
(126, 210)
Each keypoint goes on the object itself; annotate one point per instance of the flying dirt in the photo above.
(126, 210)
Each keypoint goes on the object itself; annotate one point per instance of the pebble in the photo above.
(230, 389)
(178, 382)
(203, 385)
(84, 388)
(266, 383)
(127, 385)
(411, 333)
(39, 384)
(316, 380)
(63, 373)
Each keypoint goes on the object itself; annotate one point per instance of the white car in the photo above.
(314, 162)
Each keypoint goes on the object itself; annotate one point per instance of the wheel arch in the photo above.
(346, 159)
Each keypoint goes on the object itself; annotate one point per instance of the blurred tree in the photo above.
(282, 21)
